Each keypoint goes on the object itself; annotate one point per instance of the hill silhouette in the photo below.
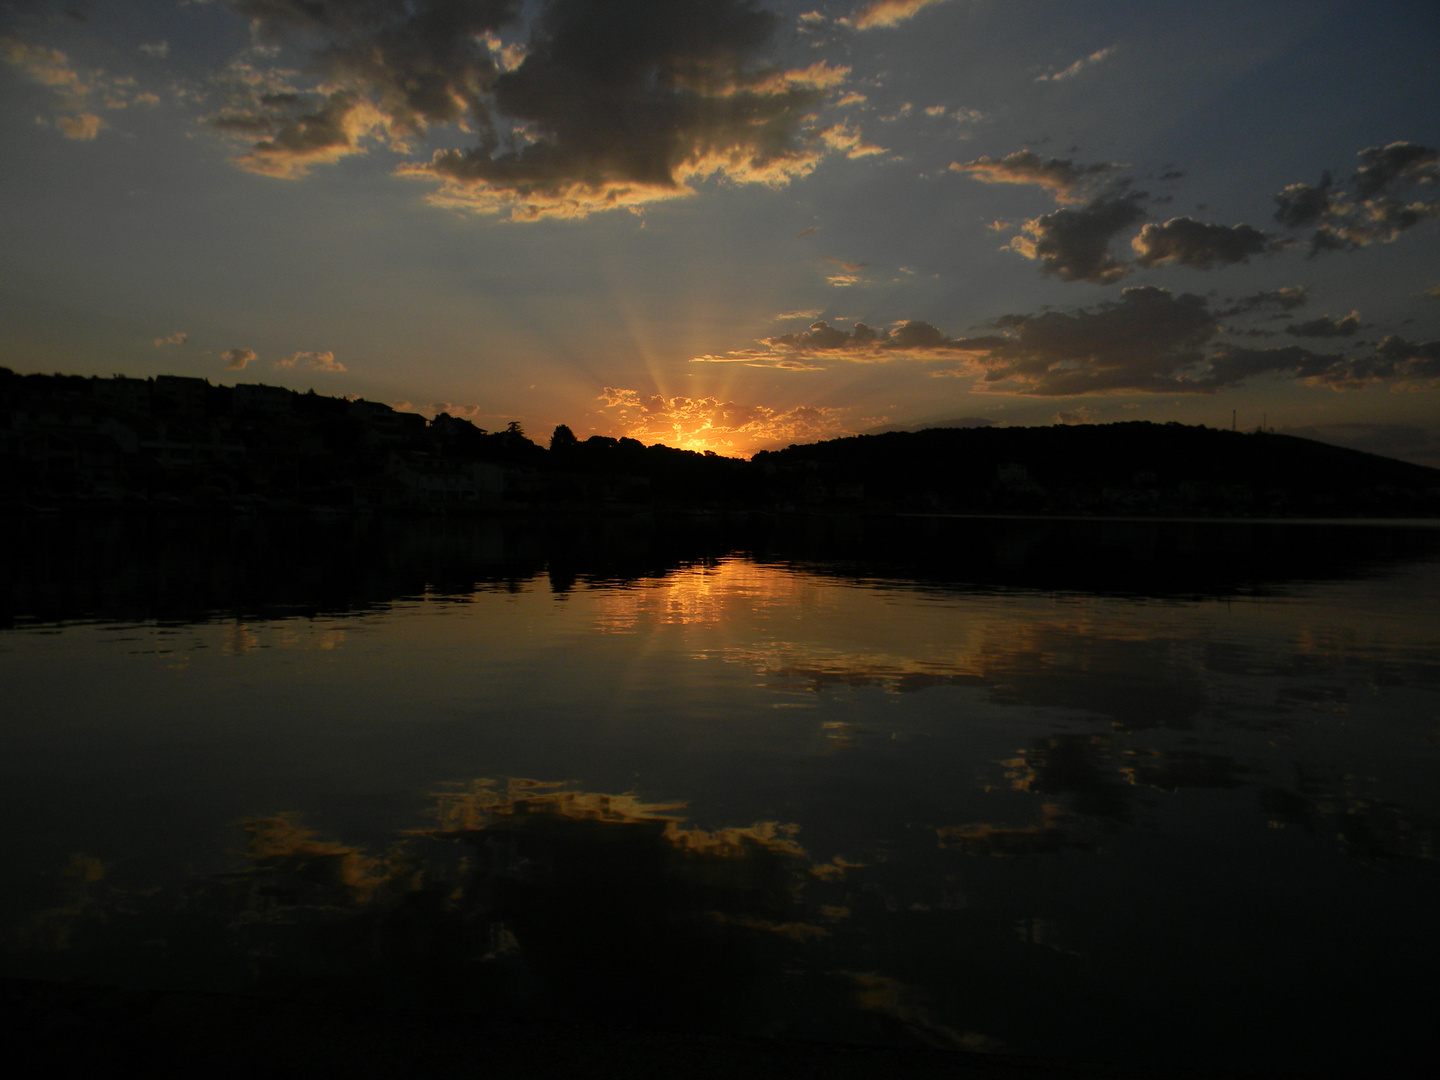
(175, 442)
(1133, 468)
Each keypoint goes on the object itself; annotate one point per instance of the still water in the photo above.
(1127, 791)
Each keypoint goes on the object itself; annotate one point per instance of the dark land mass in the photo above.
(181, 443)
(177, 501)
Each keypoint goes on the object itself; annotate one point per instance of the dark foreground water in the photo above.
(1093, 790)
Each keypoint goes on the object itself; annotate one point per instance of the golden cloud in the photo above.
(1064, 179)
(846, 138)
(712, 424)
(81, 126)
(1077, 67)
(238, 359)
(311, 361)
(52, 68)
(885, 13)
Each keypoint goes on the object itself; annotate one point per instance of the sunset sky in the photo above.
(733, 225)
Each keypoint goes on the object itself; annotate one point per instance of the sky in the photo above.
(734, 225)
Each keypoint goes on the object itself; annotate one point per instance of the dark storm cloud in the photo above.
(1061, 176)
(1231, 364)
(1183, 241)
(1139, 342)
(822, 345)
(625, 100)
(1400, 161)
(822, 336)
(1075, 244)
(1390, 193)
(1151, 341)
(606, 103)
(1325, 326)
(1286, 298)
(1072, 243)
(1304, 204)
(1148, 341)
(400, 67)
(1374, 221)
(1414, 359)
(1395, 361)
(909, 337)
(422, 62)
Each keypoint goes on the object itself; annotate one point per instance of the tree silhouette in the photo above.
(563, 439)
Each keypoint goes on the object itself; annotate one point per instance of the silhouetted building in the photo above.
(122, 394)
(262, 399)
(180, 395)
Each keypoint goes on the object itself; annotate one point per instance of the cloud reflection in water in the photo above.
(1173, 793)
(530, 897)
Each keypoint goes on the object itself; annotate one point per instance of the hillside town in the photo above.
(180, 440)
(181, 443)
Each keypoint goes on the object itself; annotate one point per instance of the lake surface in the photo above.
(1132, 791)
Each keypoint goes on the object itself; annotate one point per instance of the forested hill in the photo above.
(1134, 467)
(182, 443)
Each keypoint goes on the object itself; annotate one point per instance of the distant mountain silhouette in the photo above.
(173, 442)
(1128, 468)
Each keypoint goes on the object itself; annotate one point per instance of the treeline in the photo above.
(173, 441)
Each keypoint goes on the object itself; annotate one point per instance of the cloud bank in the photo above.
(1325, 326)
(1152, 341)
(1149, 341)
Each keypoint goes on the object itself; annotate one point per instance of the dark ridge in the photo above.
(1128, 468)
(172, 443)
